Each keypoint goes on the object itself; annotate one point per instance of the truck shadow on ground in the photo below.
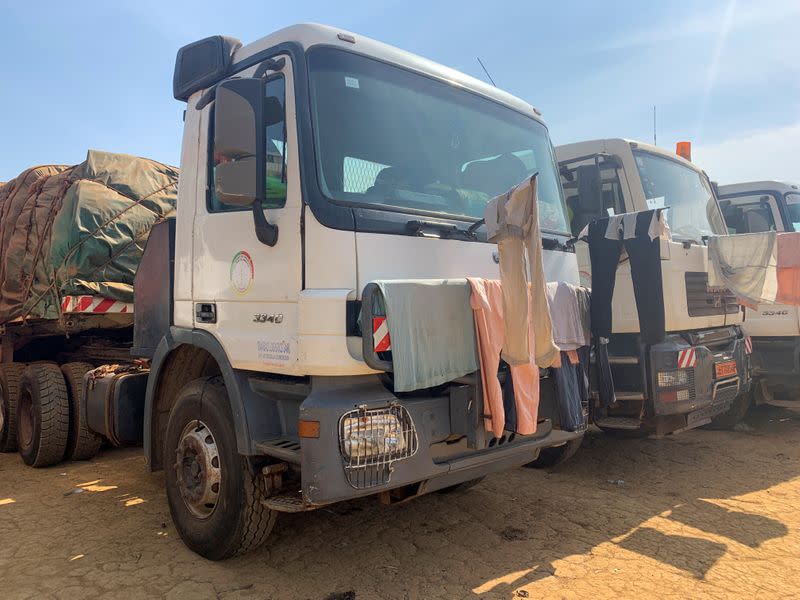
(659, 498)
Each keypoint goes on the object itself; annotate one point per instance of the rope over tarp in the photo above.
(78, 230)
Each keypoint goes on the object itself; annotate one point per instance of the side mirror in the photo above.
(240, 171)
(239, 165)
(590, 189)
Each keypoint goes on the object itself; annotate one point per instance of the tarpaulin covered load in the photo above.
(78, 230)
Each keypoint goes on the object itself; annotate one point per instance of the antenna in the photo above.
(654, 125)
(485, 70)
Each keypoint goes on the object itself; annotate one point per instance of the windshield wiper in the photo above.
(445, 230)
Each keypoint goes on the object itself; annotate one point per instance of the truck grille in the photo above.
(705, 302)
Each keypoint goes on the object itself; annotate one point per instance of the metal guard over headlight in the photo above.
(372, 440)
(677, 378)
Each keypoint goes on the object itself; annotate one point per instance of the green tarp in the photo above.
(78, 230)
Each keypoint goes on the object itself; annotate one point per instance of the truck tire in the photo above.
(737, 411)
(214, 497)
(10, 374)
(82, 442)
(550, 458)
(42, 415)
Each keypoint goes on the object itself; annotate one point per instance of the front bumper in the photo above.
(441, 458)
(708, 394)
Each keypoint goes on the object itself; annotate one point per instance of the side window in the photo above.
(580, 212)
(276, 150)
(748, 214)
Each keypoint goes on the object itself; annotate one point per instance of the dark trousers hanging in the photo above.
(645, 260)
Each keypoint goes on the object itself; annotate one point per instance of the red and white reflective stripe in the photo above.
(687, 358)
(748, 345)
(94, 304)
(380, 335)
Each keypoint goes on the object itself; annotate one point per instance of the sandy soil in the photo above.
(701, 514)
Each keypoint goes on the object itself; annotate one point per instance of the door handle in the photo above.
(205, 312)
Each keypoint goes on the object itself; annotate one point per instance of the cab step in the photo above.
(623, 360)
(628, 396)
(288, 503)
(629, 423)
(283, 449)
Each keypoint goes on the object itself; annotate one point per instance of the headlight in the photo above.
(372, 440)
(673, 378)
(371, 435)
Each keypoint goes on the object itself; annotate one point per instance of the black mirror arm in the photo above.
(266, 232)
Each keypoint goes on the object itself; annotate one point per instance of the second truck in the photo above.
(700, 371)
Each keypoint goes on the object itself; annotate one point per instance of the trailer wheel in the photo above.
(10, 374)
(214, 497)
(552, 457)
(82, 442)
(42, 415)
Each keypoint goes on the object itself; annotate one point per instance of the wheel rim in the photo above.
(25, 419)
(198, 469)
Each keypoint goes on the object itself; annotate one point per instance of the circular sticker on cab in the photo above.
(242, 272)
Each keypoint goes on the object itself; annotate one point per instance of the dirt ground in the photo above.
(702, 514)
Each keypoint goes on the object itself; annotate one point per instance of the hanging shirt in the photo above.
(487, 305)
(512, 221)
(565, 314)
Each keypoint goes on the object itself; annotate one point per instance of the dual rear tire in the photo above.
(10, 375)
(42, 416)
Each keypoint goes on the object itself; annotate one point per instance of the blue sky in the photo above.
(723, 74)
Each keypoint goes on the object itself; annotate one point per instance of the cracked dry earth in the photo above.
(701, 514)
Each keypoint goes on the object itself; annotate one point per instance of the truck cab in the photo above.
(754, 207)
(315, 162)
(701, 367)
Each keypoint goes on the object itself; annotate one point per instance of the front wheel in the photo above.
(214, 497)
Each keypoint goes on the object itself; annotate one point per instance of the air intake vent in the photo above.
(705, 302)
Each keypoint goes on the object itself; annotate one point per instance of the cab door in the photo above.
(245, 292)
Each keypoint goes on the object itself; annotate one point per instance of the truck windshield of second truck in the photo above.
(392, 139)
(693, 212)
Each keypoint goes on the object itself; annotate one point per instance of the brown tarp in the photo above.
(78, 230)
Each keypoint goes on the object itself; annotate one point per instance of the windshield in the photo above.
(396, 140)
(693, 212)
(793, 209)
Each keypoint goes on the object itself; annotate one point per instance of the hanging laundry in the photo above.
(605, 380)
(746, 264)
(639, 234)
(433, 336)
(759, 268)
(788, 269)
(487, 305)
(565, 314)
(584, 298)
(512, 221)
(571, 390)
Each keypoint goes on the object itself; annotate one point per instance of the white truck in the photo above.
(314, 162)
(700, 370)
(755, 207)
